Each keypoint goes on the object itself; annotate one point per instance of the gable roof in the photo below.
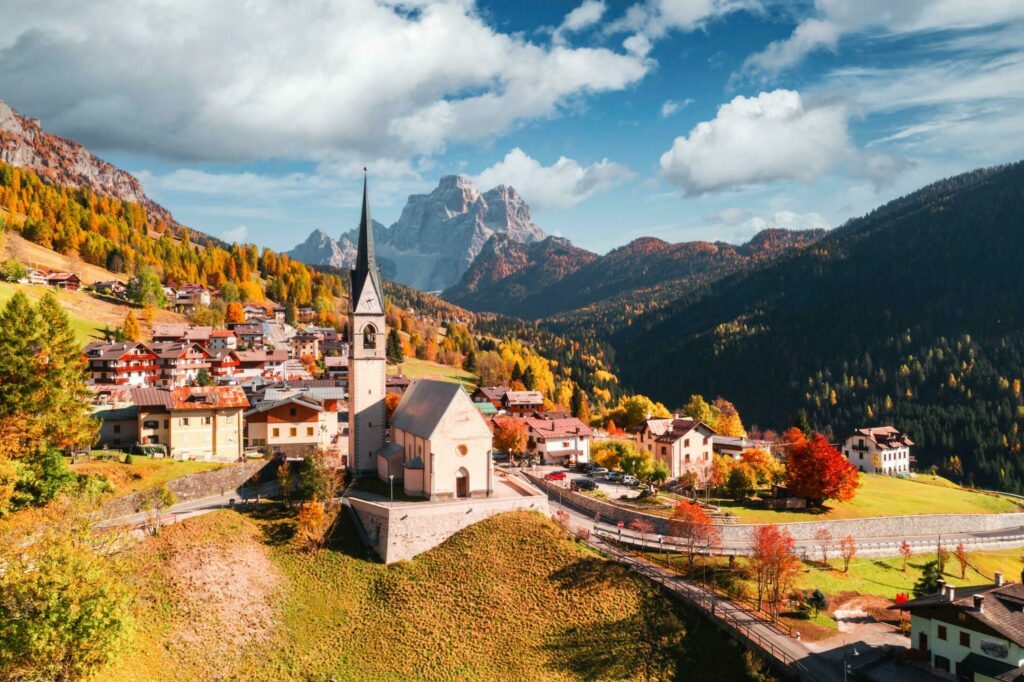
(424, 405)
(100, 350)
(191, 397)
(1002, 611)
(884, 436)
(493, 393)
(306, 401)
(569, 427)
(524, 398)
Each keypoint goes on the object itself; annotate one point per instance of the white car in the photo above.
(630, 480)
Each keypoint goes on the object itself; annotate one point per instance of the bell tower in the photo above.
(367, 361)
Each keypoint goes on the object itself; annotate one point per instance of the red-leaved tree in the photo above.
(694, 529)
(848, 548)
(774, 564)
(817, 471)
(906, 552)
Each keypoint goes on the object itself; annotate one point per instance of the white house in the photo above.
(560, 440)
(879, 450)
(970, 633)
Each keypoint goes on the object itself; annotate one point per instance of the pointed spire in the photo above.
(366, 262)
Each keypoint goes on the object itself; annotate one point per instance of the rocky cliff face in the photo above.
(437, 236)
(25, 144)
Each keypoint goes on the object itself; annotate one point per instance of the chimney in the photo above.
(952, 592)
(979, 603)
(999, 579)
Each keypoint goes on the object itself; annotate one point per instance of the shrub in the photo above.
(128, 459)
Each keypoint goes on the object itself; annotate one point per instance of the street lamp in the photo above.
(847, 668)
(391, 480)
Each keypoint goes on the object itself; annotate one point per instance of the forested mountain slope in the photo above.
(911, 315)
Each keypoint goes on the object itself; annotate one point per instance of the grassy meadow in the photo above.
(888, 496)
(143, 472)
(414, 368)
(228, 596)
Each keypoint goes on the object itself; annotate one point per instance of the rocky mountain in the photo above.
(644, 274)
(23, 143)
(910, 315)
(507, 275)
(438, 235)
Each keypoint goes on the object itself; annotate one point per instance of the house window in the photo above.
(686, 443)
(117, 428)
(965, 639)
(291, 411)
(687, 458)
(309, 430)
(293, 432)
(167, 424)
(207, 420)
(942, 663)
(941, 632)
(184, 421)
(276, 432)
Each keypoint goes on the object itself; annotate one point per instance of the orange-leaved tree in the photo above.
(817, 471)
(774, 565)
(510, 435)
(694, 529)
(235, 312)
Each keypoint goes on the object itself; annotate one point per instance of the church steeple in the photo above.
(366, 264)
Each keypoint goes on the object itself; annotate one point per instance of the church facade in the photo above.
(440, 445)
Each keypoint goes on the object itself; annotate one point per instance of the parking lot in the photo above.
(613, 489)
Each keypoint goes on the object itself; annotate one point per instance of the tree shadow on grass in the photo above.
(276, 521)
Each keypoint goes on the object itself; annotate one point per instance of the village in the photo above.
(687, 495)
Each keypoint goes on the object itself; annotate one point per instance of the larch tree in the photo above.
(235, 312)
(510, 436)
(961, 558)
(130, 329)
(65, 391)
(774, 565)
(848, 550)
(823, 537)
(906, 552)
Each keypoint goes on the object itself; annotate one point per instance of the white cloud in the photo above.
(655, 18)
(582, 17)
(560, 185)
(759, 139)
(834, 19)
(236, 234)
(672, 106)
(215, 81)
(745, 225)
(728, 216)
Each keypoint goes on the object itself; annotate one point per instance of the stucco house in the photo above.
(558, 440)
(295, 426)
(682, 444)
(193, 422)
(440, 444)
(970, 633)
(879, 450)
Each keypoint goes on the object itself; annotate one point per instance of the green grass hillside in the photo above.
(226, 596)
(890, 496)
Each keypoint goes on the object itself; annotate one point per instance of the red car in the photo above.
(555, 476)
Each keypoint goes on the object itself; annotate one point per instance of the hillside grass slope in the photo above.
(227, 595)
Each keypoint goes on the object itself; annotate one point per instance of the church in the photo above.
(440, 445)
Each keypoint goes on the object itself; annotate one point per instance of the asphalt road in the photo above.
(184, 510)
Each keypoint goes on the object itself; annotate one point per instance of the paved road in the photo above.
(184, 510)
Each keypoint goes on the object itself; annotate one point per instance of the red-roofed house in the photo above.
(682, 444)
(193, 422)
(64, 280)
(122, 364)
(562, 440)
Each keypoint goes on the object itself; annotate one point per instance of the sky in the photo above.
(679, 119)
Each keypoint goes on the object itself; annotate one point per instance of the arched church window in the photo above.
(369, 336)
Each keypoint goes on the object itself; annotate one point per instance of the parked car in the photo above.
(598, 472)
(499, 456)
(584, 467)
(555, 476)
(583, 484)
(614, 476)
(630, 480)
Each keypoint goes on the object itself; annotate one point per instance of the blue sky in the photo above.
(681, 119)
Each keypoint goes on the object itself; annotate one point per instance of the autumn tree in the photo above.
(699, 409)
(906, 553)
(311, 524)
(774, 565)
(741, 481)
(510, 435)
(492, 369)
(848, 550)
(823, 538)
(631, 410)
(643, 528)
(391, 401)
(961, 558)
(637, 462)
(767, 470)
(65, 603)
(235, 312)
(131, 330)
(817, 471)
(728, 422)
(693, 528)
(609, 453)
(145, 289)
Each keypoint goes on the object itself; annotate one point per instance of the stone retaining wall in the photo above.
(404, 530)
(199, 485)
(881, 527)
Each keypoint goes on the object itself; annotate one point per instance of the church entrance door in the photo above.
(462, 483)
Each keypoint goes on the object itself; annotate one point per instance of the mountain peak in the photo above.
(23, 143)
